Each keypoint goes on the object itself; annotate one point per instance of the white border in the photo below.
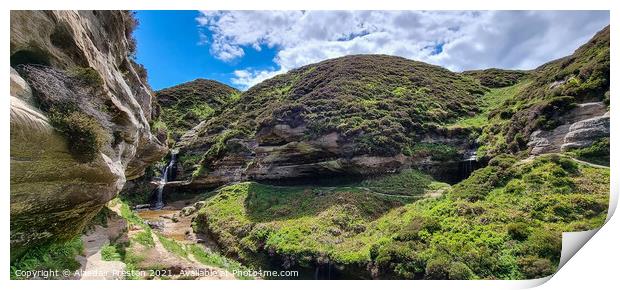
(593, 267)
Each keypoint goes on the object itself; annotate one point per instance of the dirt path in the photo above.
(172, 225)
(532, 157)
(589, 164)
(93, 266)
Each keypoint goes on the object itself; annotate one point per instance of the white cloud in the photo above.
(456, 40)
(249, 77)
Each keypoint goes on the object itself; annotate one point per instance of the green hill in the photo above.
(551, 90)
(185, 105)
(376, 105)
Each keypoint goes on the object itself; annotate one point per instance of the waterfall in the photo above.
(468, 163)
(163, 180)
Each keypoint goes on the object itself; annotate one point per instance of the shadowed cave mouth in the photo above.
(32, 56)
(451, 172)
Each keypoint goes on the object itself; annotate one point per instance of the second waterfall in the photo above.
(159, 203)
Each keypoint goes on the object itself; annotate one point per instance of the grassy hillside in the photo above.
(497, 78)
(553, 89)
(504, 222)
(382, 104)
(184, 106)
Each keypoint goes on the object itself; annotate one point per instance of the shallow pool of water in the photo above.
(154, 214)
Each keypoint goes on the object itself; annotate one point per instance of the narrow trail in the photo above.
(180, 232)
(92, 263)
(427, 194)
(589, 164)
(532, 157)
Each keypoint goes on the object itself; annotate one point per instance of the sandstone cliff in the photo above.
(80, 112)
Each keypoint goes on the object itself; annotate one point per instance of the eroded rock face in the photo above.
(53, 195)
(282, 153)
(580, 128)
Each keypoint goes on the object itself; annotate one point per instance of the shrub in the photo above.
(377, 103)
(546, 243)
(460, 271)
(57, 256)
(482, 182)
(87, 75)
(437, 151)
(503, 161)
(408, 182)
(109, 253)
(497, 78)
(438, 269)
(145, 238)
(518, 231)
(85, 135)
(411, 229)
(597, 153)
(184, 106)
(534, 267)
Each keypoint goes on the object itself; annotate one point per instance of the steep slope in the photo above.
(553, 94)
(80, 111)
(184, 106)
(361, 114)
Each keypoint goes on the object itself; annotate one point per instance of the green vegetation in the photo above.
(172, 246)
(437, 151)
(247, 215)
(131, 253)
(127, 214)
(73, 106)
(409, 182)
(535, 100)
(203, 256)
(86, 136)
(503, 222)
(382, 104)
(212, 259)
(554, 89)
(87, 75)
(110, 253)
(597, 153)
(145, 238)
(189, 160)
(185, 105)
(497, 78)
(491, 104)
(584, 74)
(54, 257)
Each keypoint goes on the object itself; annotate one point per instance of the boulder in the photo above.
(187, 211)
(585, 133)
(578, 128)
(200, 204)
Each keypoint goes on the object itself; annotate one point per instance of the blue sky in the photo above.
(242, 48)
(169, 47)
